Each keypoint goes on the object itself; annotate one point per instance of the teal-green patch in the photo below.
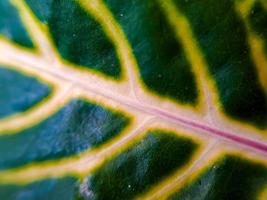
(163, 65)
(49, 189)
(258, 21)
(42, 9)
(135, 170)
(11, 25)
(230, 178)
(222, 37)
(77, 36)
(78, 126)
(19, 92)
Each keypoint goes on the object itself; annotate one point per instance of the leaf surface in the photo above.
(113, 99)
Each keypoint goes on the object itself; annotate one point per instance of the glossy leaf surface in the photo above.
(116, 99)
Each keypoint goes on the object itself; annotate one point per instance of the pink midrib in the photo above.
(223, 134)
(248, 142)
(237, 138)
(234, 137)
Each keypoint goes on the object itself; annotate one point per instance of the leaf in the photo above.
(108, 99)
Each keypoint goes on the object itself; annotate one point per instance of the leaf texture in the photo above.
(114, 99)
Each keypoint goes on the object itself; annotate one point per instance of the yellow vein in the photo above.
(245, 6)
(37, 33)
(264, 3)
(47, 107)
(78, 165)
(193, 52)
(168, 185)
(217, 153)
(263, 194)
(255, 42)
(97, 9)
(112, 28)
(200, 66)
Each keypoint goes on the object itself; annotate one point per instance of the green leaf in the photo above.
(116, 99)
(73, 129)
(229, 178)
(11, 25)
(51, 188)
(18, 99)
